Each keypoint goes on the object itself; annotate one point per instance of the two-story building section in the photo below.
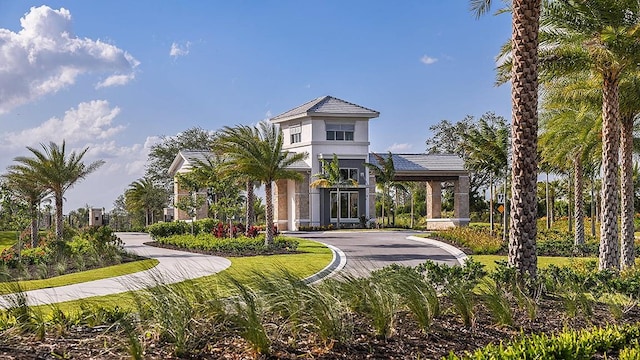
(323, 127)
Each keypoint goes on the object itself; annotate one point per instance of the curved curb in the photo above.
(460, 256)
(337, 263)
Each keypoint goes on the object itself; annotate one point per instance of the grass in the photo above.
(7, 239)
(80, 277)
(489, 261)
(312, 258)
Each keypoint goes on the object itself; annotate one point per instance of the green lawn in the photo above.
(489, 261)
(312, 258)
(7, 239)
(79, 277)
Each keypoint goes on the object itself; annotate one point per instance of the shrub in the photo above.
(240, 245)
(478, 240)
(165, 229)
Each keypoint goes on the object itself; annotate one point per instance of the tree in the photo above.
(599, 36)
(27, 187)
(524, 100)
(487, 149)
(162, 154)
(256, 152)
(330, 177)
(57, 171)
(385, 173)
(144, 195)
(568, 139)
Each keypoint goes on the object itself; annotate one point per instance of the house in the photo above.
(326, 126)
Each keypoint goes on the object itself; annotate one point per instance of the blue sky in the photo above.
(116, 75)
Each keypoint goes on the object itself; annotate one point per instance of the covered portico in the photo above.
(436, 169)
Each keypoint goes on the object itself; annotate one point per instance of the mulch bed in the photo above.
(408, 342)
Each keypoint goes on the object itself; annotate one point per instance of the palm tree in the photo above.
(57, 171)
(144, 195)
(524, 95)
(600, 36)
(330, 177)
(385, 173)
(27, 187)
(487, 148)
(570, 134)
(256, 152)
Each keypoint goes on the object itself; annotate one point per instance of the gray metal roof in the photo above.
(424, 165)
(326, 105)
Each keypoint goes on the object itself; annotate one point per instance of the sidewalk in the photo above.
(174, 266)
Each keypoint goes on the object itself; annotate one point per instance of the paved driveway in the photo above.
(369, 250)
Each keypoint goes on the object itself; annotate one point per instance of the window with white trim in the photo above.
(349, 173)
(296, 134)
(348, 205)
(340, 132)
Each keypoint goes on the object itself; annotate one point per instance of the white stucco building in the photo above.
(326, 126)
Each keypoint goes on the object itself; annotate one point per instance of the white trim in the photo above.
(460, 256)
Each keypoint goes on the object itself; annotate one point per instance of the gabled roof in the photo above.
(186, 159)
(327, 106)
(422, 166)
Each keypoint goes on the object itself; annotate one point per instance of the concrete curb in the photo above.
(460, 256)
(337, 263)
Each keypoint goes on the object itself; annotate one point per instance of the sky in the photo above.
(117, 75)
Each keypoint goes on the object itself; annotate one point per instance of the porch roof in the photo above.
(423, 167)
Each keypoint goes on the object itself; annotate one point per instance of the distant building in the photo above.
(326, 126)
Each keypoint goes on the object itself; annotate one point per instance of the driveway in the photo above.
(370, 250)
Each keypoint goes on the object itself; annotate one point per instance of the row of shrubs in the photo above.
(202, 226)
(238, 246)
(552, 242)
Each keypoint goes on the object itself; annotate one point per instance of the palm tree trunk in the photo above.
(268, 239)
(609, 250)
(626, 194)
(249, 210)
(384, 194)
(59, 217)
(34, 225)
(524, 82)
(578, 201)
(492, 226)
(569, 211)
(593, 207)
(412, 209)
(547, 203)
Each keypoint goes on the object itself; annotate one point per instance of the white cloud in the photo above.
(46, 56)
(179, 50)
(89, 121)
(428, 60)
(115, 80)
(400, 147)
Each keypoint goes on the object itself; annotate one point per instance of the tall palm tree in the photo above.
(146, 196)
(570, 134)
(256, 152)
(524, 100)
(385, 173)
(330, 177)
(27, 187)
(57, 171)
(487, 148)
(600, 36)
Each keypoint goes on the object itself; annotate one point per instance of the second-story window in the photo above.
(296, 134)
(342, 132)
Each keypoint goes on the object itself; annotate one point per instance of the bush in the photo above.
(165, 229)
(478, 240)
(238, 246)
